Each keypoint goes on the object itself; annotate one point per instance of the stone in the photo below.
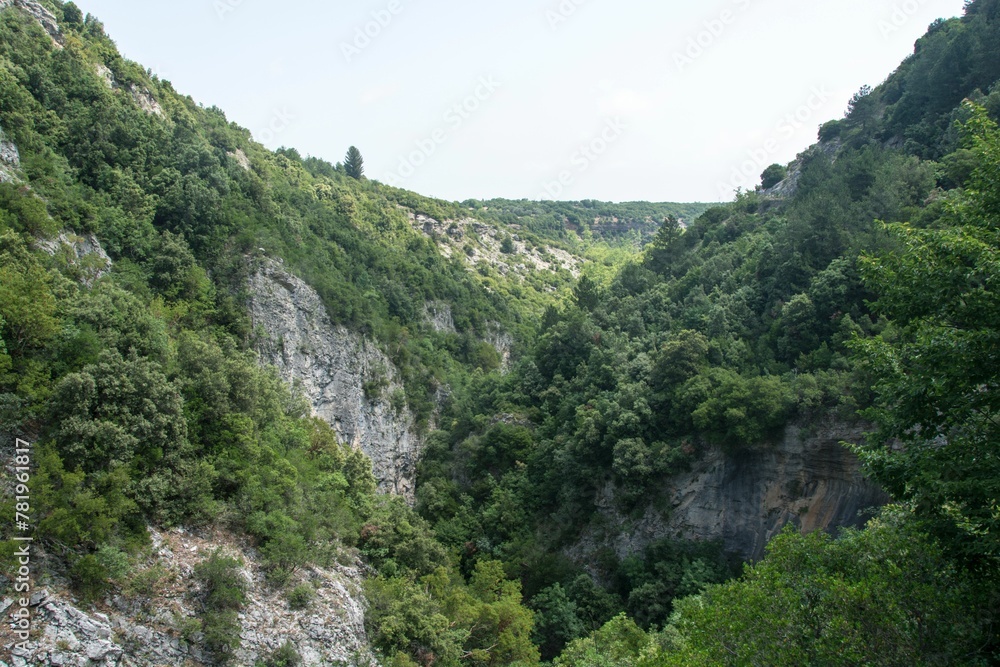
(84, 253)
(334, 367)
(437, 315)
(241, 159)
(806, 478)
(45, 18)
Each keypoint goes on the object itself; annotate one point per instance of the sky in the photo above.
(616, 100)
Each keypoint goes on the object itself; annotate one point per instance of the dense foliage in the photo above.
(149, 406)
(140, 386)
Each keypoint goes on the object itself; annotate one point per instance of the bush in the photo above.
(224, 594)
(301, 596)
(89, 577)
(284, 656)
(772, 176)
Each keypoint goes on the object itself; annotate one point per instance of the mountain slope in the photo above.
(565, 369)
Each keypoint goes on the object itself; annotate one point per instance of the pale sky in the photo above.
(617, 100)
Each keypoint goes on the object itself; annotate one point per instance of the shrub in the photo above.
(301, 596)
(224, 594)
(284, 656)
(89, 577)
(772, 176)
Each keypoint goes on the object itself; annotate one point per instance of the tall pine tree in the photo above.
(354, 164)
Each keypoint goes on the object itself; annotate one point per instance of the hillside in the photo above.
(510, 431)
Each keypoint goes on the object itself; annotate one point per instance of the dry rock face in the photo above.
(480, 243)
(45, 18)
(10, 160)
(808, 479)
(437, 314)
(349, 381)
(150, 629)
(83, 254)
(142, 97)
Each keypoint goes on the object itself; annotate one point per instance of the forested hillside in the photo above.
(857, 287)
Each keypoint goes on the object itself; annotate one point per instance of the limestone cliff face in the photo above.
(10, 160)
(156, 624)
(350, 382)
(45, 18)
(807, 478)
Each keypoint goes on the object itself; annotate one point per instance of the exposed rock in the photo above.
(787, 188)
(155, 627)
(480, 243)
(142, 96)
(83, 255)
(8, 153)
(45, 18)
(808, 479)
(437, 314)
(145, 100)
(10, 160)
(349, 381)
(241, 158)
(502, 342)
(107, 76)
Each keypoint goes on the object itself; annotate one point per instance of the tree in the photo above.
(587, 293)
(556, 622)
(354, 164)
(772, 176)
(72, 14)
(862, 109)
(886, 595)
(667, 246)
(938, 367)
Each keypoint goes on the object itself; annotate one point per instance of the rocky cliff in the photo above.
(153, 619)
(45, 18)
(807, 478)
(10, 160)
(349, 382)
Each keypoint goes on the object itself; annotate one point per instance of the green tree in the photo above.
(937, 367)
(587, 293)
(72, 14)
(556, 620)
(886, 595)
(28, 306)
(223, 596)
(354, 164)
(667, 247)
(117, 413)
(772, 176)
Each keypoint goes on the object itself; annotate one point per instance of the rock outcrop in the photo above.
(155, 624)
(478, 243)
(807, 478)
(141, 96)
(437, 315)
(45, 18)
(10, 160)
(84, 255)
(349, 382)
